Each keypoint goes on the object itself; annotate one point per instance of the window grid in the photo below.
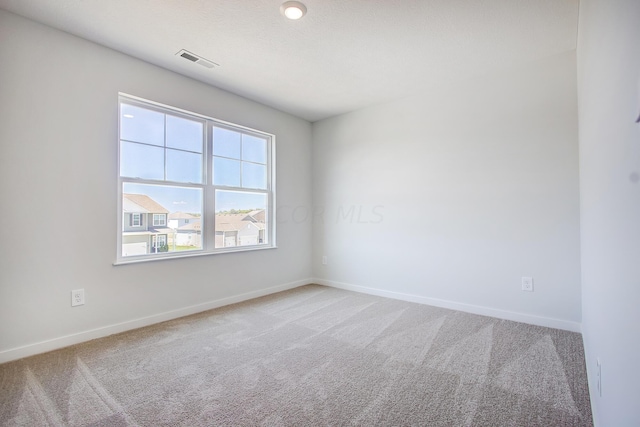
(158, 220)
(136, 220)
(209, 228)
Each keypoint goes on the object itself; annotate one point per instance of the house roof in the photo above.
(141, 203)
(258, 215)
(148, 232)
(161, 230)
(194, 226)
(233, 222)
(182, 215)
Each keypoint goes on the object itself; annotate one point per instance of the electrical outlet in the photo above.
(599, 376)
(527, 284)
(77, 297)
(324, 260)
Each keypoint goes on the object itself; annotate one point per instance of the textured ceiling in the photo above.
(342, 56)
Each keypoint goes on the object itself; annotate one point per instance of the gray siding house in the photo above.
(144, 225)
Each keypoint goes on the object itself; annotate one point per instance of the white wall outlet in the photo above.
(77, 297)
(324, 260)
(527, 284)
(599, 376)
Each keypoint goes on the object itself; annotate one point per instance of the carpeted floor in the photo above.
(310, 356)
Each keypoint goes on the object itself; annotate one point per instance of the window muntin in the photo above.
(193, 202)
(161, 240)
(160, 146)
(159, 219)
(136, 220)
(239, 159)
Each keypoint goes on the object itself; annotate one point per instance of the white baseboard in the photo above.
(67, 340)
(453, 305)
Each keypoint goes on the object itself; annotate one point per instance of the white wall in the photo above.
(457, 194)
(58, 136)
(609, 104)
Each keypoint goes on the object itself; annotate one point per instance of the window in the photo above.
(159, 219)
(136, 220)
(159, 243)
(205, 186)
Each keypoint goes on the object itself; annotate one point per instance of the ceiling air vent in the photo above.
(197, 59)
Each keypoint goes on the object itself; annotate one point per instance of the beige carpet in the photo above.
(306, 357)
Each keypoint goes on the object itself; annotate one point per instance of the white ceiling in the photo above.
(342, 56)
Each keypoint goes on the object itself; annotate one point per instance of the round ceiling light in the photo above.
(293, 9)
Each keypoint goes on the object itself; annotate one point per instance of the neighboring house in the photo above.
(188, 229)
(179, 219)
(144, 225)
(240, 229)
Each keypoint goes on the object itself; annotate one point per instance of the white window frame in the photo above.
(208, 231)
(164, 240)
(133, 220)
(161, 220)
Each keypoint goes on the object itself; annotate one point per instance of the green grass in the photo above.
(185, 248)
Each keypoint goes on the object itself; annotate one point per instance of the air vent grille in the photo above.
(197, 59)
(189, 57)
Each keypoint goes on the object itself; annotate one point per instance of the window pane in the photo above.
(159, 220)
(141, 161)
(172, 164)
(226, 172)
(183, 166)
(226, 143)
(240, 218)
(254, 149)
(184, 134)
(141, 125)
(254, 175)
(172, 219)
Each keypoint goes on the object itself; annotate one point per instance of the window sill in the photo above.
(136, 260)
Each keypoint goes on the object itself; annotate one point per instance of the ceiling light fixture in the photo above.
(293, 9)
